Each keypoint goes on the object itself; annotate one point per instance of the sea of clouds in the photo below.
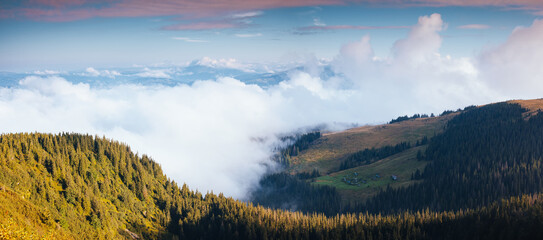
(218, 134)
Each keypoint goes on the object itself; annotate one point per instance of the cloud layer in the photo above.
(218, 134)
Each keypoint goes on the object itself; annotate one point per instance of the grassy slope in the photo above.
(327, 153)
(402, 165)
(532, 105)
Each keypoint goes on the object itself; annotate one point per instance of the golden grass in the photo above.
(326, 153)
(533, 106)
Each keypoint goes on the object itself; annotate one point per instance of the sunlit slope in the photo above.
(359, 183)
(326, 153)
(81, 185)
(21, 219)
(533, 106)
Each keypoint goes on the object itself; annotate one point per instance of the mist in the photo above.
(218, 135)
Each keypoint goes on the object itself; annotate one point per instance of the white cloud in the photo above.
(186, 39)
(303, 81)
(47, 72)
(423, 40)
(248, 14)
(224, 63)
(201, 134)
(248, 35)
(416, 77)
(92, 72)
(318, 22)
(154, 73)
(355, 58)
(515, 67)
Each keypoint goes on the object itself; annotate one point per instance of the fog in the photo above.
(217, 135)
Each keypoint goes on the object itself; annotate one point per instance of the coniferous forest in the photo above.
(483, 180)
(484, 155)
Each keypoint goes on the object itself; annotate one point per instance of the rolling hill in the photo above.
(360, 183)
(326, 153)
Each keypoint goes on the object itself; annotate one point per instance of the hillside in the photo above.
(532, 106)
(73, 186)
(401, 165)
(326, 153)
(480, 179)
(79, 183)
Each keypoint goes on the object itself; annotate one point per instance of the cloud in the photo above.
(92, 72)
(238, 20)
(202, 134)
(202, 26)
(415, 74)
(153, 73)
(64, 10)
(224, 63)
(248, 35)
(474, 26)
(514, 67)
(323, 28)
(357, 52)
(186, 39)
(423, 40)
(83, 9)
(317, 22)
(248, 14)
(47, 72)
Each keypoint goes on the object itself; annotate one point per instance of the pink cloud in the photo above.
(202, 26)
(477, 2)
(220, 14)
(65, 10)
(474, 26)
(70, 10)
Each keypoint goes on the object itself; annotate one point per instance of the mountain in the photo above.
(379, 163)
(479, 177)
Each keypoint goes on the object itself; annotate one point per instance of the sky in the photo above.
(207, 88)
(65, 34)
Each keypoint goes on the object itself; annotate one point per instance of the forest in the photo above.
(482, 181)
(485, 154)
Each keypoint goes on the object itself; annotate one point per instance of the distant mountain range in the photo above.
(169, 75)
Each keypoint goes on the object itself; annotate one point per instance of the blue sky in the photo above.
(269, 34)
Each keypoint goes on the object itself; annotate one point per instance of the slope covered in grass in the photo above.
(327, 152)
(372, 178)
